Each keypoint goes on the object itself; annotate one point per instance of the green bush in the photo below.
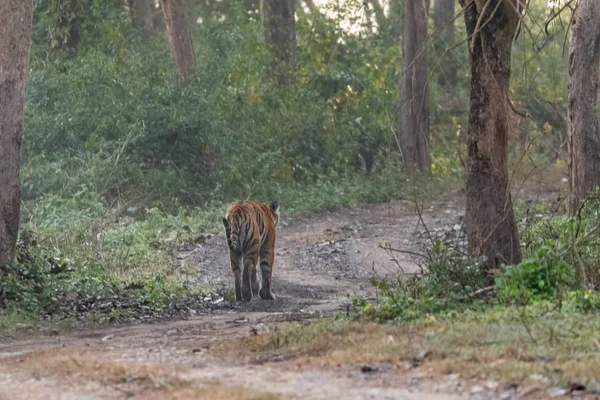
(543, 277)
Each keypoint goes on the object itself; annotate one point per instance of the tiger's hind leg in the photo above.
(267, 257)
(249, 267)
(255, 283)
(236, 267)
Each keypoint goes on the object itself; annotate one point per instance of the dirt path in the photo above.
(321, 261)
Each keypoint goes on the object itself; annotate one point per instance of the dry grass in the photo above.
(558, 346)
(80, 364)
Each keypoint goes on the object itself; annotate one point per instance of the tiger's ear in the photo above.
(275, 207)
(225, 223)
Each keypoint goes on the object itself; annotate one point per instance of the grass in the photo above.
(149, 381)
(506, 344)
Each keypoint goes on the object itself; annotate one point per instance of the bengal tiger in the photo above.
(250, 230)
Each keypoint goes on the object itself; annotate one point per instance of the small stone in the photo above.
(543, 358)
(414, 381)
(366, 369)
(557, 392)
(477, 389)
(491, 384)
(107, 338)
(538, 378)
(421, 356)
(576, 386)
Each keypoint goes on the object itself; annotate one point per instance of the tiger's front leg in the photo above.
(236, 268)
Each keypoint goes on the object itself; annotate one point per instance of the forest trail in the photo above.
(322, 261)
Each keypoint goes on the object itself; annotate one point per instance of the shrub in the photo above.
(543, 277)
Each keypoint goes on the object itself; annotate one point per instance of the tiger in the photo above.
(250, 230)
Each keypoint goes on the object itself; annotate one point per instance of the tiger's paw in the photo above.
(246, 294)
(266, 295)
(256, 288)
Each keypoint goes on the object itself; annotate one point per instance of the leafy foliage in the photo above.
(544, 276)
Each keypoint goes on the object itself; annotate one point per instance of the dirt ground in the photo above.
(322, 261)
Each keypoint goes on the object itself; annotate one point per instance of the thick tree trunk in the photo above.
(278, 31)
(143, 15)
(414, 88)
(443, 19)
(583, 125)
(180, 40)
(15, 42)
(489, 221)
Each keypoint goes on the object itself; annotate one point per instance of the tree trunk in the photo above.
(414, 88)
(443, 19)
(15, 42)
(142, 15)
(583, 125)
(180, 40)
(278, 31)
(489, 221)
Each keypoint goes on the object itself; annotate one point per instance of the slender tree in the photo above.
(180, 39)
(583, 125)
(414, 88)
(443, 19)
(278, 31)
(489, 220)
(65, 33)
(142, 13)
(15, 43)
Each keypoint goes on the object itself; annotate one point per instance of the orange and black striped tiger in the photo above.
(250, 230)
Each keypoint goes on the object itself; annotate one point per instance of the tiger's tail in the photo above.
(232, 232)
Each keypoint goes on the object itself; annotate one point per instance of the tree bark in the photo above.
(583, 125)
(180, 39)
(443, 20)
(489, 221)
(278, 31)
(143, 15)
(414, 88)
(15, 43)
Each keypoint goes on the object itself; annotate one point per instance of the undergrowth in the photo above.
(560, 266)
